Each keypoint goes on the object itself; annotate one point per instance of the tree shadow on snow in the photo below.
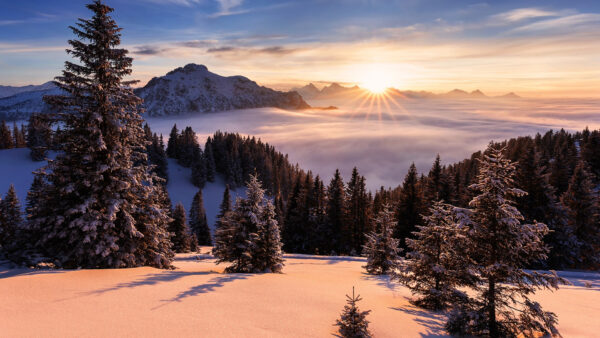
(6, 271)
(433, 322)
(209, 286)
(193, 258)
(328, 259)
(381, 280)
(153, 279)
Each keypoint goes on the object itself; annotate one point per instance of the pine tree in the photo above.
(336, 216)
(209, 161)
(409, 208)
(100, 207)
(10, 219)
(39, 137)
(6, 139)
(235, 238)
(19, 138)
(268, 256)
(295, 230)
(437, 261)
(358, 210)
(582, 207)
(500, 247)
(172, 143)
(179, 229)
(198, 222)
(382, 248)
(353, 323)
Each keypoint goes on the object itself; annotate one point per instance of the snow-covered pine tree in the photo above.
(180, 234)
(11, 219)
(382, 248)
(582, 207)
(353, 323)
(437, 261)
(198, 222)
(268, 256)
(39, 136)
(100, 207)
(236, 236)
(501, 247)
(209, 159)
(18, 136)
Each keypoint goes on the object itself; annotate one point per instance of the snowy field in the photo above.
(198, 300)
(382, 139)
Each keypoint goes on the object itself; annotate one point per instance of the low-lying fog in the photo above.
(382, 142)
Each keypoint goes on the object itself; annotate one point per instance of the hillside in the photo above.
(197, 299)
(194, 89)
(6, 91)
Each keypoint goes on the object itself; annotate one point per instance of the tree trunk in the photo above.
(493, 327)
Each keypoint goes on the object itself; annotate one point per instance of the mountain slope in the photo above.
(21, 105)
(6, 91)
(193, 89)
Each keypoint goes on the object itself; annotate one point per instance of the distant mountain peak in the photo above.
(194, 89)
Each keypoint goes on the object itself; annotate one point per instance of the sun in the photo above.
(375, 79)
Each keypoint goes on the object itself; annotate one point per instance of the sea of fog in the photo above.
(383, 137)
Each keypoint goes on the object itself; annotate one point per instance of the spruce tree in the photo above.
(582, 207)
(500, 247)
(382, 248)
(353, 323)
(11, 219)
(18, 137)
(409, 208)
(180, 234)
(39, 137)
(198, 222)
(437, 261)
(337, 232)
(6, 139)
(268, 256)
(173, 142)
(100, 207)
(235, 238)
(209, 161)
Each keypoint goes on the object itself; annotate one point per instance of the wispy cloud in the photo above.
(227, 7)
(187, 3)
(520, 14)
(565, 23)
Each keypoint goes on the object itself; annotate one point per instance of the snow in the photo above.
(197, 299)
(16, 167)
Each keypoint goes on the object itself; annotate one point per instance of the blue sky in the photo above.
(538, 47)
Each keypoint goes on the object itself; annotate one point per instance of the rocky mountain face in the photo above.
(193, 89)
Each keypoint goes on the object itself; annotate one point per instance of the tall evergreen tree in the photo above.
(382, 248)
(353, 323)
(582, 207)
(437, 262)
(358, 210)
(198, 222)
(409, 208)
(6, 139)
(39, 137)
(172, 143)
(10, 219)
(295, 230)
(100, 207)
(337, 231)
(268, 256)
(180, 234)
(501, 247)
(18, 137)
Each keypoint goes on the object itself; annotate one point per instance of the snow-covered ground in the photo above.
(16, 167)
(198, 300)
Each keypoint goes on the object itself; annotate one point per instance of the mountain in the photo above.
(308, 92)
(23, 104)
(193, 89)
(6, 91)
(510, 95)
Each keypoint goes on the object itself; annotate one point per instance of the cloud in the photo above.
(148, 50)
(522, 14)
(274, 50)
(187, 3)
(564, 24)
(227, 8)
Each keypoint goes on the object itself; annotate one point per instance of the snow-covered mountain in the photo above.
(193, 89)
(6, 91)
(23, 104)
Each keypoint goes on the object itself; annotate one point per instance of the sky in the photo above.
(535, 48)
